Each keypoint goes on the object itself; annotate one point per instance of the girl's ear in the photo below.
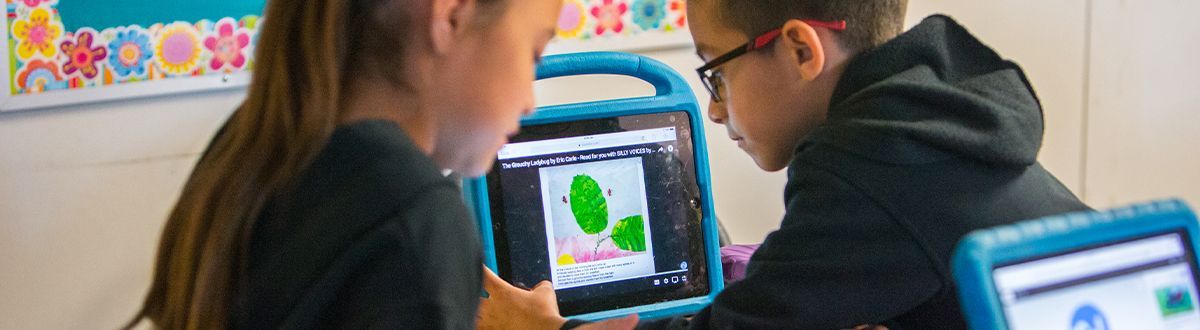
(804, 49)
(448, 19)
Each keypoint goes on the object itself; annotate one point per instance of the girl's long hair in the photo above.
(306, 51)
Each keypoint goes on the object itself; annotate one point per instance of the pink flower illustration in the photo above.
(35, 3)
(583, 249)
(680, 7)
(609, 15)
(228, 45)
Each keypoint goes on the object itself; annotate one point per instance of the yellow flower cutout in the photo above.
(178, 49)
(37, 35)
(571, 20)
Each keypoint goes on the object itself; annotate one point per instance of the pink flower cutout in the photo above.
(680, 7)
(81, 56)
(227, 46)
(608, 16)
(33, 3)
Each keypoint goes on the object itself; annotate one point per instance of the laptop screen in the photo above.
(607, 209)
(1144, 283)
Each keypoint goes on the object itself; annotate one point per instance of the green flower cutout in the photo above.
(629, 234)
(588, 205)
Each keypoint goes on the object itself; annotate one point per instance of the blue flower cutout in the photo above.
(129, 52)
(40, 76)
(649, 14)
(47, 78)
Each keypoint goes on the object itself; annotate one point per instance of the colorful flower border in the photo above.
(44, 57)
(584, 20)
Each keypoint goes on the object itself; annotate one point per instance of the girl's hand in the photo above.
(509, 307)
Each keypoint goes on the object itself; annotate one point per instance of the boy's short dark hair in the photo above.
(870, 23)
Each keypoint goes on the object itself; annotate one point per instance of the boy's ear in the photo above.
(447, 21)
(804, 48)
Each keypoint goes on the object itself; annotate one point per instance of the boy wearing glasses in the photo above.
(896, 144)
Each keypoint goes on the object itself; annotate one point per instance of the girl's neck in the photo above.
(373, 98)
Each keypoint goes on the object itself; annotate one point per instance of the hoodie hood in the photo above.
(935, 92)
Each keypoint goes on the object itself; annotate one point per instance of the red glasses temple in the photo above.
(835, 25)
(766, 38)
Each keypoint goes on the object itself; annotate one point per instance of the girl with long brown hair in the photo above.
(321, 203)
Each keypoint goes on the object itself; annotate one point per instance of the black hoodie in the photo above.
(929, 136)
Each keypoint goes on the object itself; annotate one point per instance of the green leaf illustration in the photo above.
(588, 205)
(629, 234)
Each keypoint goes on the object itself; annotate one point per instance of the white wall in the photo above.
(1144, 104)
(84, 190)
(1046, 37)
(1117, 82)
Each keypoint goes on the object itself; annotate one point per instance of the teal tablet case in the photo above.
(979, 253)
(672, 94)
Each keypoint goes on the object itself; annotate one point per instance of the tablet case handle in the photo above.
(662, 77)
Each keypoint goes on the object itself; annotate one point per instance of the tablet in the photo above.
(1132, 267)
(608, 200)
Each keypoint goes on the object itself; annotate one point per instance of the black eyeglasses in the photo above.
(712, 79)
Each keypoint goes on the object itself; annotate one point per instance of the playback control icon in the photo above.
(670, 280)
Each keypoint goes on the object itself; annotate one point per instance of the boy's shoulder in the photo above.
(932, 93)
(934, 202)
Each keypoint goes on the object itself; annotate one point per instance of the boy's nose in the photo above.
(716, 111)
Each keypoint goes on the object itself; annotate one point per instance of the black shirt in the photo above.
(371, 236)
(929, 136)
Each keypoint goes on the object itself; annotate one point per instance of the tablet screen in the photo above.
(1143, 283)
(607, 209)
